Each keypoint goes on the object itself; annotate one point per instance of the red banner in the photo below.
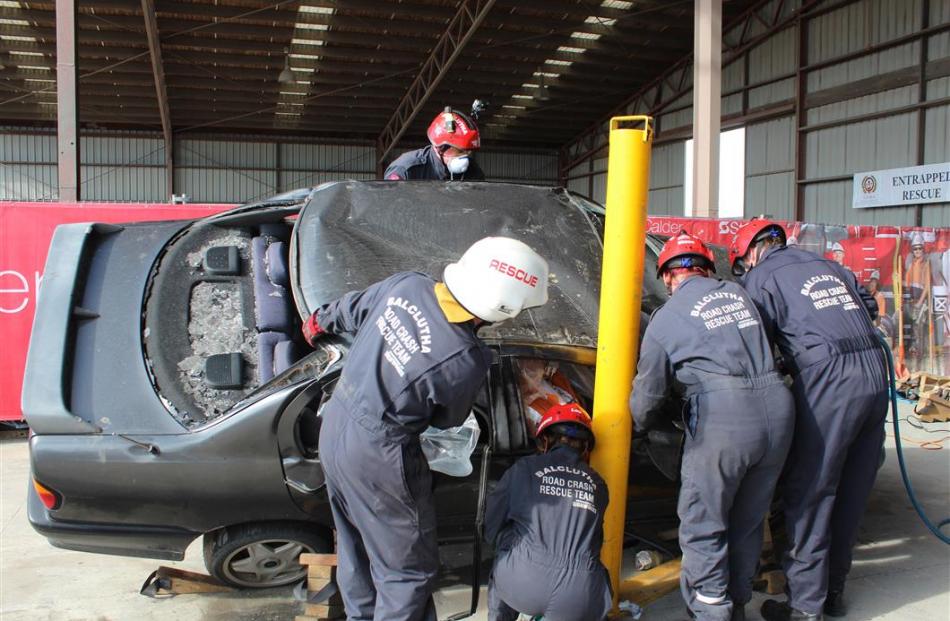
(25, 233)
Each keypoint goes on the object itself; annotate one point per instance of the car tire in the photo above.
(260, 556)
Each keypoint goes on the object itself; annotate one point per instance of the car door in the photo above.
(298, 434)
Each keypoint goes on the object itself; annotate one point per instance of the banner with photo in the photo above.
(906, 269)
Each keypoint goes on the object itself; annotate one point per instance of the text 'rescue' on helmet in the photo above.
(752, 232)
(454, 129)
(567, 419)
(497, 278)
(684, 250)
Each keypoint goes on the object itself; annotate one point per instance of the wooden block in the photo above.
(324, 610)
(318, 559)
(317, 584)
(651, 585)
(321, 571)
(313, 612)
(774, 582)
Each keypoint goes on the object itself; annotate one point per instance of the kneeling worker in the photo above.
(546, 519)
(415, 361)
(707, 343)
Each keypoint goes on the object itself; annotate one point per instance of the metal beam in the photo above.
(707, 93)
(461, 28)
(67, 97)
(161, 93)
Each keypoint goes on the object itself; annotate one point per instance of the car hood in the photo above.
(352, 234)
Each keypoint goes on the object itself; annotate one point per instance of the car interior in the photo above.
(230, 286)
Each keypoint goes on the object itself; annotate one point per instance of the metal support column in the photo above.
(707, 90)
(801, 120)
(161, 92)
(67, 101)
(921, 98)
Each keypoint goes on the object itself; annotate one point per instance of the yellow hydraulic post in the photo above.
(628, 173)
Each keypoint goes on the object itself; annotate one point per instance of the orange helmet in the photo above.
(568, 417)
(454, 129)
(689, 250)
(750, 232)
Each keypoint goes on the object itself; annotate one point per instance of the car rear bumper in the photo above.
(158, 542)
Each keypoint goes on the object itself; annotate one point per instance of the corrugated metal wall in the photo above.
(831, 154)
(130, 166)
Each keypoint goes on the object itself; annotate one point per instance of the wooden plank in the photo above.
(317, 584)
(331, 611)
(318, 559)
(321, 571)
(649, 586)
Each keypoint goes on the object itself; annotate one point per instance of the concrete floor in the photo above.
(900, 571)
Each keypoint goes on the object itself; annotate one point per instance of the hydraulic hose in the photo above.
(935, 529)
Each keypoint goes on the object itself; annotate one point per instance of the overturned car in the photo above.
(170, 396)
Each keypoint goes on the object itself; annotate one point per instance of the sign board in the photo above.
(902, 186)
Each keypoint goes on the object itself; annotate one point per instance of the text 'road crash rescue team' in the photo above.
(417, 361)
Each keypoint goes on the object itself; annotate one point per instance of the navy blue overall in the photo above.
(814, 311)
(707, 345)
(408, 368)
(546, 519)
(426, 164)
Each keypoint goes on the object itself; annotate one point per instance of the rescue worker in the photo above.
(707, 345)
(874, 289)
(821, 320)
(918, 279)
(546, 519)
(837, 253)
(415, 361)
(453, 137)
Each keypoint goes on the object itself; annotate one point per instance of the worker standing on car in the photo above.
(812, 310)
(707, 345)
(415, 361)
(453, 137)
(546, 520)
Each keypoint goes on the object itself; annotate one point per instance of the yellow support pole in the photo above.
(628, 173)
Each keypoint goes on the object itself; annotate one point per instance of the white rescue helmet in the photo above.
(497, 278)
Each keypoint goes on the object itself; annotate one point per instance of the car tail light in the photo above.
(49, 497)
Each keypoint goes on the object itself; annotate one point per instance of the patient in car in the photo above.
(541, 386)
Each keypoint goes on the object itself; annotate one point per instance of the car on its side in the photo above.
(170, 396)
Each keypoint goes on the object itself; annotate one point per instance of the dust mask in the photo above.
(458, 165)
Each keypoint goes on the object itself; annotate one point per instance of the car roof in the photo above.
(351, 234)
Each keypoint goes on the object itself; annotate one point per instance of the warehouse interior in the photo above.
(170, 113)
(820, 90)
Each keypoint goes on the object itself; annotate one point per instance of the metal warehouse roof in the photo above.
(549, 68)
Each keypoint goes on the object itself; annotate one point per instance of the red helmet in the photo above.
(750, 232)
(454, 129)
(686, 248)
(570, 413)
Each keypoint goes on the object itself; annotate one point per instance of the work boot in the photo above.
(834, 604)
(738, 613)
(774, 610)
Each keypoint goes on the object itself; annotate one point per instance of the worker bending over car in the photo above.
(415, 361)
(546, 520)
(821, 320)
(707, 344)
(453, 137)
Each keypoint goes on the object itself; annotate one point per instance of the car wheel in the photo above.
(259, 556)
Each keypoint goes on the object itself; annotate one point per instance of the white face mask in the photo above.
(458, 165)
